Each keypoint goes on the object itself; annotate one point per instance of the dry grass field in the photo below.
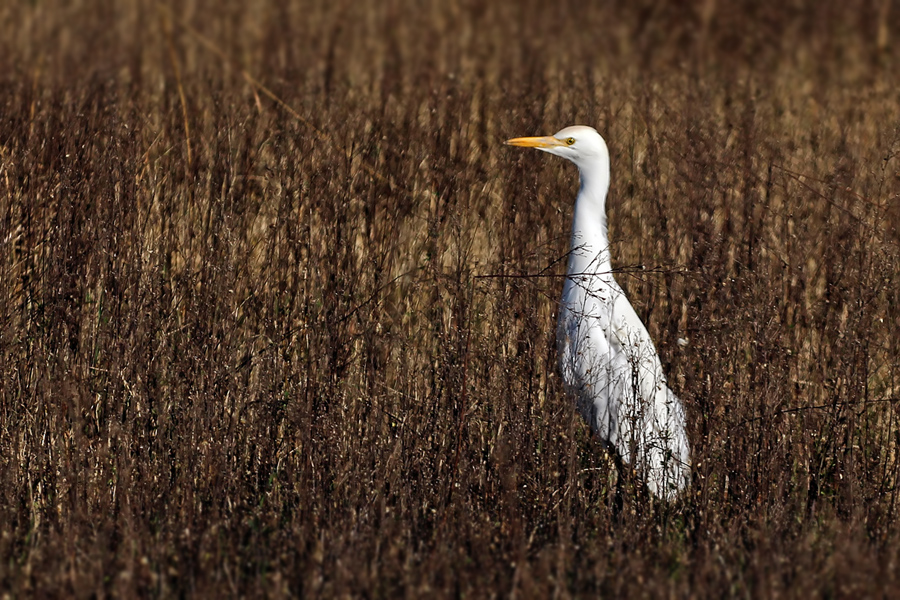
(277, 306)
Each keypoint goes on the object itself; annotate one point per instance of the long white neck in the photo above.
(590, 237)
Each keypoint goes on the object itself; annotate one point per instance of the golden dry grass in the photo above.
(277, 305)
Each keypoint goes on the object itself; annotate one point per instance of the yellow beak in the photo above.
(547, 141)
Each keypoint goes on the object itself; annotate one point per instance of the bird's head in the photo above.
(579, 143)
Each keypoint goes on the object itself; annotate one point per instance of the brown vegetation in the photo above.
(304, 347)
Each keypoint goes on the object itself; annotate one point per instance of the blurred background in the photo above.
(277, 307)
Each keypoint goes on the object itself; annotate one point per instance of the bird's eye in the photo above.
(570, 141)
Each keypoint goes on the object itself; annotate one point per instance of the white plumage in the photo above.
(608, 361)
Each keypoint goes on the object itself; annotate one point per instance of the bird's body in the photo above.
(607, 359)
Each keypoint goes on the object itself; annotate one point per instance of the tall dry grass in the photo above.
(304, 346)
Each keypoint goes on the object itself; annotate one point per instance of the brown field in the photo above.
(277, 306)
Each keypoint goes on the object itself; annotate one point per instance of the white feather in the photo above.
(608, 361)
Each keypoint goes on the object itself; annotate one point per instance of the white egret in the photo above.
(608, 361)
